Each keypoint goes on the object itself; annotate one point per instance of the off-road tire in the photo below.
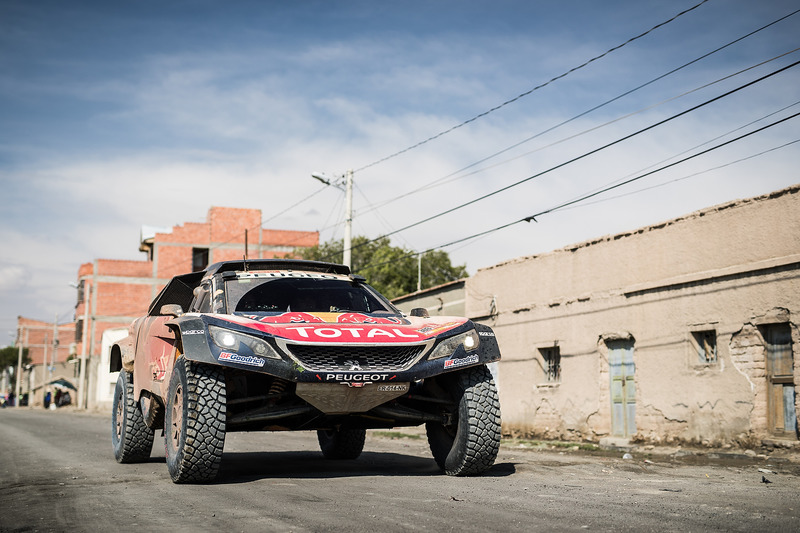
(194, 422)
(469, 445)
(342, 443)
(131, 439)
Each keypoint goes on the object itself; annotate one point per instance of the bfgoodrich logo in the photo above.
(241, 359)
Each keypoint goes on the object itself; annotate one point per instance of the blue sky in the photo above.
(119, 114)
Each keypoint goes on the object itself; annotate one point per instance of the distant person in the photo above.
(58, 397)
(47, 398)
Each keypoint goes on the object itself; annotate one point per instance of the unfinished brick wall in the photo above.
(37, 336)
(122, 299)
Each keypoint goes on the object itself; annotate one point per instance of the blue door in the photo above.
(623, 389)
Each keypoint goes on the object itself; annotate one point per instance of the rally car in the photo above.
(276, 345)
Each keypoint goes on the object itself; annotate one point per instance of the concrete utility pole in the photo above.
(348, 221)
(18, 388)
(419, 272)
(44, 369)
(81, 403)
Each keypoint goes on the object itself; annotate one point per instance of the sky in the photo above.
(115, 115)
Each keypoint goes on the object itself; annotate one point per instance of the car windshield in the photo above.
(312, 294)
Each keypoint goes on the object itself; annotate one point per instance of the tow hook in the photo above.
(447, 419)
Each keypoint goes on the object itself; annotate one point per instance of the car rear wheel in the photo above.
(131, 439)
(194, 422)
(342, 443)
(469, 444)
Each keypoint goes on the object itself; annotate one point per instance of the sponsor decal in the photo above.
(291, 318)
(351, 378)
(296, 317)
(486, 333)
(435, 329)
(351, 333)
(455, 363)
(400, 387)
(194, 332)
(241, 359)
(358, 318)
(285, 274)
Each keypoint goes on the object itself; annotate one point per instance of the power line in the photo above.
(584, 113)
(585, 154)
(596, 193)
(695, 174)
(528, 92)
(688, 150)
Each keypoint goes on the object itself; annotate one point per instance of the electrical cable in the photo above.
(688, 150)
(528, 92)
(584, 113)
(706, 171)
(586, 154)
(596, 193)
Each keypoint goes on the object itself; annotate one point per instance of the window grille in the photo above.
(706, 343)
(552, 364)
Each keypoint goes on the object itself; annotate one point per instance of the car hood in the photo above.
(350, 328)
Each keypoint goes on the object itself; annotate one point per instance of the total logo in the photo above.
(351, 333)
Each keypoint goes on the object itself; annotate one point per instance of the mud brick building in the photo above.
(684, 331)
(112, 293)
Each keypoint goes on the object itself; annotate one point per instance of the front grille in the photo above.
(332, 358)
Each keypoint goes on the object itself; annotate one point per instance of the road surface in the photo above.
(58, 474)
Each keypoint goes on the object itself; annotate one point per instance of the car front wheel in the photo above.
(194, 422)
(469, 444)
(131, 439)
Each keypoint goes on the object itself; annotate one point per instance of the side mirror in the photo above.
(420, 312)
(171, 310)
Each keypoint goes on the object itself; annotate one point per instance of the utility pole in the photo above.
(348, 221)
(419, 272)
(81, 404)
(18, 388)
(44, 368)
(55, 352)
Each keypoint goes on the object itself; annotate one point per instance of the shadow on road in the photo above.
(243, 467)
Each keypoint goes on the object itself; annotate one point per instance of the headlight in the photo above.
(240, 343)
(469, 340)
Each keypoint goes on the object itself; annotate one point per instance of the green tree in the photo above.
(9, 355)
(390, 269)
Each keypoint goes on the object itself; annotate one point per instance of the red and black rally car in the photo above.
(279, 345)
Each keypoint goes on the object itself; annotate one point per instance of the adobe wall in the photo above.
(727, 269)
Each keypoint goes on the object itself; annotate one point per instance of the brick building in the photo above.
(50, 349)
(112, 293)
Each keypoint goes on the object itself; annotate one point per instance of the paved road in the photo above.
(58, 474)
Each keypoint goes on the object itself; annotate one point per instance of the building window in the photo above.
(199, 259)
(79, 330)
(81, 291)
(552, 364)
(706, 344)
